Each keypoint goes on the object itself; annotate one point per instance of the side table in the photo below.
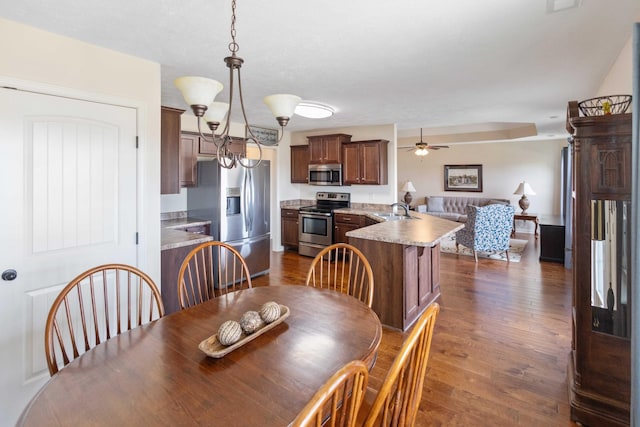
(525, 217)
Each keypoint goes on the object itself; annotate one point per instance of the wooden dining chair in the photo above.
(338, 401)
(97, 305)
(342, 267)
(397, 401)
(211, 269)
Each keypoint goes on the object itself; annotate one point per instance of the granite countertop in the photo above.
(422, 230)
(172, 237)
(296, 204)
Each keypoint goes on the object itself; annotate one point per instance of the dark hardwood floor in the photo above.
(501, 343)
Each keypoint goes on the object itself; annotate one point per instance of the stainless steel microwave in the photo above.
(329, 174)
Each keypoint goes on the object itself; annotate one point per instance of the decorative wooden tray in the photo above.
(212, 347)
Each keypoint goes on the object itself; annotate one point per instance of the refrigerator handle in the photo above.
(247, 196)
(251, 199)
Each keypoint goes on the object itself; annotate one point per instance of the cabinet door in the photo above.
(289, 236)
(327, 148)
(170, 150)
(350, 163)
(188, 160)
(425, 276)
(611, 166)
(332, 149)
(340, 232)
(299, 164)
(316, 150)
(411, 284)
(373, 163)
(209, 148)
(345, 222)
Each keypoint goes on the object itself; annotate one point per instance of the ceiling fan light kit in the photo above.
(200, 93)
(422, 148)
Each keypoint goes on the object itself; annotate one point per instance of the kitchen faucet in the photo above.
(403, 206)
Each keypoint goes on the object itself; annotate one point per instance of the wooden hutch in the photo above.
(599, 371)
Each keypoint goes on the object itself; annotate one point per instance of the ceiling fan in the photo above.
(422, 148)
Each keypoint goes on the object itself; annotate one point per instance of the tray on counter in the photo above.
(212, 347)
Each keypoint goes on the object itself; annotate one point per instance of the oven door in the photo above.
(315, 232)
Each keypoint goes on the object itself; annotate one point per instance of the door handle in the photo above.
(9, 275)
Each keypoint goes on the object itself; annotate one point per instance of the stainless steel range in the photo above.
(316, 222)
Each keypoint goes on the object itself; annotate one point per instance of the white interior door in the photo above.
(67, 203)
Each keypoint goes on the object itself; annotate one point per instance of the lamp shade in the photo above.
(282, 105)
(524, 189)
(198, 90)
(408, 186)
(216, 112)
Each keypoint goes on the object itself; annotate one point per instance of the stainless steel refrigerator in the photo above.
(237, 203)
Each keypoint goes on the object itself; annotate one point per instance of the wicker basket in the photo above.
(613, 104)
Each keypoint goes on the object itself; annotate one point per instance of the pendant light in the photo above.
(200, 93)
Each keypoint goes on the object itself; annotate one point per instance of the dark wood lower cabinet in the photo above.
(289, 228)
(406, 279)
(171, 260)
(343, 223)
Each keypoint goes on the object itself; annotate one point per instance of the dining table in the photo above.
(157, 375)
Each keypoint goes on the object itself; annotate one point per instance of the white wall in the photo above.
(618, 81)
(47, 62)
(504, 165)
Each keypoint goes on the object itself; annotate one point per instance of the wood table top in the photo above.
(156, 375)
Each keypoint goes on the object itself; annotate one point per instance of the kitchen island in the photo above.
(405, 259)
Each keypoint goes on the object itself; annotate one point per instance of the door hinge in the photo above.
(136, 141)
(136, 237)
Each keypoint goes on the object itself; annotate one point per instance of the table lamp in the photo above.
(524, 189)
(409, 188)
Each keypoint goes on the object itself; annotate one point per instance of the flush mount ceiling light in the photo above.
(200, 92)
(314, 110)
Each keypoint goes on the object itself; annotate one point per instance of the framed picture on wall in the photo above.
(266, 136)
(463, 178)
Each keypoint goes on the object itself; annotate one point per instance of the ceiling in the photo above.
(452, 67)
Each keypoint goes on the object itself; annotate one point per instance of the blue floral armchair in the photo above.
(488, 228)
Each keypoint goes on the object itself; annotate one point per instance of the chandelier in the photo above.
(200, 93)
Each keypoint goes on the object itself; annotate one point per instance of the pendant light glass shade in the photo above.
(198, 90)
(282, 105)
(216, 112)
(422, 152)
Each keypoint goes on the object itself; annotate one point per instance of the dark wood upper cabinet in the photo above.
(600, 363)
(299, 164)
(209, 148)
(365, 162)
(189, 160)
(170, 150)
(327, 148)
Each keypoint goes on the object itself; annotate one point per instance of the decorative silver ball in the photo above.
(270, 311)
(251, 322)
(229, 332)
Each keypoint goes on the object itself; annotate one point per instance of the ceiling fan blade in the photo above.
(437, 147)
